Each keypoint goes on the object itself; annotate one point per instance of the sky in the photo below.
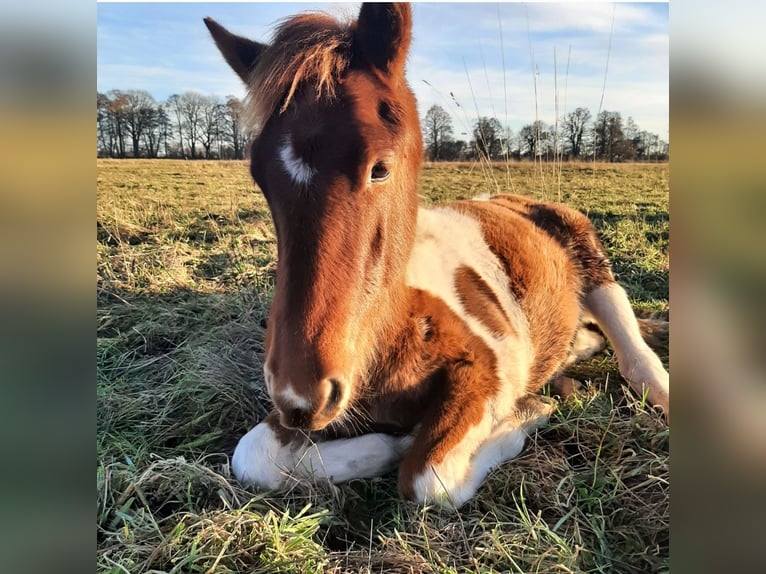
(504, 60)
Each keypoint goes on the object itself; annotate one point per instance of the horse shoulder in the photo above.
(452, 262)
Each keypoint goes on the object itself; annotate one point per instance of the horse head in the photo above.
(336, 153)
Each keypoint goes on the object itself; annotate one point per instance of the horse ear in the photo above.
(383, 33)
(240, 53)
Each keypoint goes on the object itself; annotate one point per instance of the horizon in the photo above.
(477, 61)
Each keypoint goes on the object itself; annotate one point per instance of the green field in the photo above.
(186, 259)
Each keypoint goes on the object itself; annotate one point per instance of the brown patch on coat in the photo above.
(434, 372)
(449, 374)
(572, 230)
(543, 276)
(480, 301)
(284, 436)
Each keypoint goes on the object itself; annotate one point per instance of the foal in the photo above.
(400, 334)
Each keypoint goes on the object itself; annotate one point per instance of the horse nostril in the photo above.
(336, 393)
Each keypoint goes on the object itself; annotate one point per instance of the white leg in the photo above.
(262, 460)
(364, 456)
(639, 365)
(456, 479)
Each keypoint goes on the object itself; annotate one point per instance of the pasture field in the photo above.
(186, 259)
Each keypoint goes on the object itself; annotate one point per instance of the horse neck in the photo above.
(395, 329)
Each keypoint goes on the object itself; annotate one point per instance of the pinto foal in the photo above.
(400, 334)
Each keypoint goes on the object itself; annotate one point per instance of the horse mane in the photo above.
(312, 48)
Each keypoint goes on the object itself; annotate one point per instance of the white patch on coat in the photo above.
(287, 397)
(268, 377)
(296, 167)
(260, 459)
(446, 240)
(364, 456)
(639, 365)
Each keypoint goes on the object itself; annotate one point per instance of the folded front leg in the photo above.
(461, 440)
(343, 459)
(269, 455)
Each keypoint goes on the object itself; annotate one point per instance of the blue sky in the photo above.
(483, 53)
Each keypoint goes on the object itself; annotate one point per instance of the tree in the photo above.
(187, 110)
(105, 133)
(117, 106)
(535, 139)
(488, 138)
(174, 104)
(234, 127)
(130, 123)
(191, 106)
(575, 125)
(437, 132)
(156, 132)
(211, 124)
(138, 108)
(454, 150)
(608, 136)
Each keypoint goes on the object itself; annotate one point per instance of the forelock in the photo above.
(308, 49)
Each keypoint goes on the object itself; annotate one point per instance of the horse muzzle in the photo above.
(300, 413)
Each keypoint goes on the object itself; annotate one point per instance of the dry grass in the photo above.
(185, 271)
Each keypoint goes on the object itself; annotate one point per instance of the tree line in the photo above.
(131, 123)
(607, 138)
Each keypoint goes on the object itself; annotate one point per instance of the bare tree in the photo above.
(105, 132)
(210, 126)
(138, 108)
(535, 139)
(437, 132)
(575, 125)
(174, 104)
(117, 112)
(234, 127)
(131, 122)
(191, 105)
(488, 138)
(156, 132)
(608, 136)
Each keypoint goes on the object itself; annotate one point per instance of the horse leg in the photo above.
(639, 365)
(264, 456)
(457, 445)
(586, 343)
(507, 439)
(343, 459)
(606, 301)
(269, 455)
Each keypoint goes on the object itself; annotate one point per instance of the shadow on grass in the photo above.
(179, 372)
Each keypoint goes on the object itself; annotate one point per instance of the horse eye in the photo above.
(379, 172)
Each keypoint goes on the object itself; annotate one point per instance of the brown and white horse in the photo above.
(400, 334)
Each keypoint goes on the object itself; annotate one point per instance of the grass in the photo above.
(186, 257)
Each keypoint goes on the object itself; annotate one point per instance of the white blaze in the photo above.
(300, 171)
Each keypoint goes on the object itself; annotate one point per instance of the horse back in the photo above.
(550, 256)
